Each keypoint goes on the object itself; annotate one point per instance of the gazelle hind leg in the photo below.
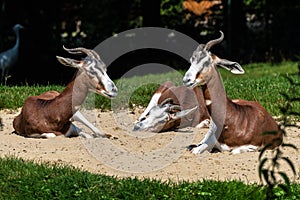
(80, 118)
(40, 136)
(48, 135)
(244, 148)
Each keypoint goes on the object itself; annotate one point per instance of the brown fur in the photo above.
(49, 112)
(245, 123)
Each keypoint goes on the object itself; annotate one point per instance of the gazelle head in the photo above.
(95, 69)
(162, 117)
(204, 63)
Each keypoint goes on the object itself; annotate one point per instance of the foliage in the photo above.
(269, 168)
(172, 13)
(269, 25)
(255, 4)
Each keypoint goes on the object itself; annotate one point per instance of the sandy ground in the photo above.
(162, 156)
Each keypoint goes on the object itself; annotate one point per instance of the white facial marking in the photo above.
(96, 70)
(153, 102)
(200, 62)
(157, 118)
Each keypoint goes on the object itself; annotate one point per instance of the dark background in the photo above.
(255, 31)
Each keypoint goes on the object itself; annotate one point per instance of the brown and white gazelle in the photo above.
(51, 113)
(172, 107)
(237, 125)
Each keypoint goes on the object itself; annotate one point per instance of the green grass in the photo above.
(263, 83)
(12, 97)
(21, 179)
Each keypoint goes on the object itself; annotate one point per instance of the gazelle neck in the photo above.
(215, 92)
(76, 92)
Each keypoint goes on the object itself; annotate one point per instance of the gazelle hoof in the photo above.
(109, 136)
(191, 147)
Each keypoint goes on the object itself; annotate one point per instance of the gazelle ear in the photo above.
(183, 113)
(70, 62)
(233, 67)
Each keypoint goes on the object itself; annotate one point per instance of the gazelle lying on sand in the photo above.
(51, 113)
(172, 108)
(238, 125)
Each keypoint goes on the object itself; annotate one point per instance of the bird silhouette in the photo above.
(10, 57)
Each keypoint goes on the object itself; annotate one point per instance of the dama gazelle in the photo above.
(51, 113)
(172, 107)
(238, 125)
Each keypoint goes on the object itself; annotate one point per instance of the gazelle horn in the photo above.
(214, 42)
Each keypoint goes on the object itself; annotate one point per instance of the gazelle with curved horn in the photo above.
(51, 113)
(163, 117)
(186, 98)
(237, 125)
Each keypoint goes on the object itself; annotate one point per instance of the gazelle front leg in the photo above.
(208, 142)
(210, 132)
(77, 116)
(74, 131)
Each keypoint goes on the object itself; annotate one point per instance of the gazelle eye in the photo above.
(193, 58)
(91, 71)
